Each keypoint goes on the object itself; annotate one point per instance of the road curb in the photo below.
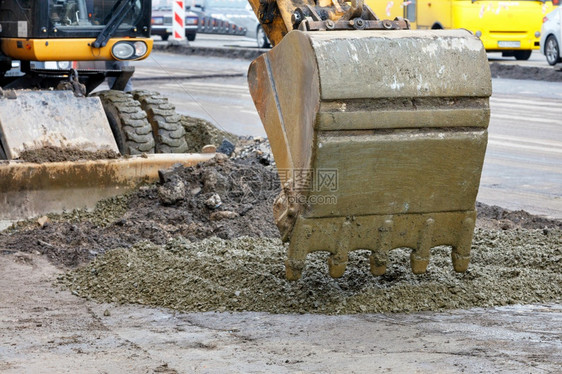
(228, 52)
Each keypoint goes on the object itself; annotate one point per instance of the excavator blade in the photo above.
(29, 189)
(379, 139)
(36, 119)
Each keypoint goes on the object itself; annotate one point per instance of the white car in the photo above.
(551, 36)
(162, 23)
(240, 13)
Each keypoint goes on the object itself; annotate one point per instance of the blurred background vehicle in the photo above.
(552, 36)
(162, 23)
(261, 38)
(240, 13)
(511, 28)
(225, 17)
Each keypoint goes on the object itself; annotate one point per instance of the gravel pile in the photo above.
(492, 216)
(247, 274)
(199, 133)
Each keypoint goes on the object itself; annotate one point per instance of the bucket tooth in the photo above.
(461, 252)
(378, 260)
(419, 258)
(293, 269)
(379, 257)
(337, 264)
(298, 250)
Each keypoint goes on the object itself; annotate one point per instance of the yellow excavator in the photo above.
(54, 108)
(378, 132)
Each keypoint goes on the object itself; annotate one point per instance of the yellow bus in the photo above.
(510, 27)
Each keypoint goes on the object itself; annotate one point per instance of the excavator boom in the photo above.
(378, 132)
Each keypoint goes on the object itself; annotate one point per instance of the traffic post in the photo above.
(178, 28)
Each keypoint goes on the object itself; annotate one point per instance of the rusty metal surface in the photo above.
(35, 119)
(28, 190)
(400, 117)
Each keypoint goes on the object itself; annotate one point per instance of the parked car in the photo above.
(53, 65)
(15, 71)
(239, 13)
(551, 38)
(162, 23)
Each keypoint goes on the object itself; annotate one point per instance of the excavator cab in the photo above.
(72, 30)
(53, 105)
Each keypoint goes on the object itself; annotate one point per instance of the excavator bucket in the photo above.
(379, 139)
(52, 118)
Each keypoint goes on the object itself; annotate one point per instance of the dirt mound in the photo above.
(57, 154)
(203, 239)
(247, 274)
(199, 133)
(492, 216)
(222, 198)
(525, 72)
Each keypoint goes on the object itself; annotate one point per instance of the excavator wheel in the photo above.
(128, 122)
(166, 125)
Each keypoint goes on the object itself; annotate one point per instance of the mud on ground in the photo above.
(203, 239)
(222, 198)
(56, 154)
(525, 72)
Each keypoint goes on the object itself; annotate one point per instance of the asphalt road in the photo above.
(523, 165)
(225, 101)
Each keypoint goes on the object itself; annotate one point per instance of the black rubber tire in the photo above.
(164, 37)
(522, 55)
(261, 38)
(191, 37)
(165, 122)
(2, 154)
(128, 121)
(552, 50)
